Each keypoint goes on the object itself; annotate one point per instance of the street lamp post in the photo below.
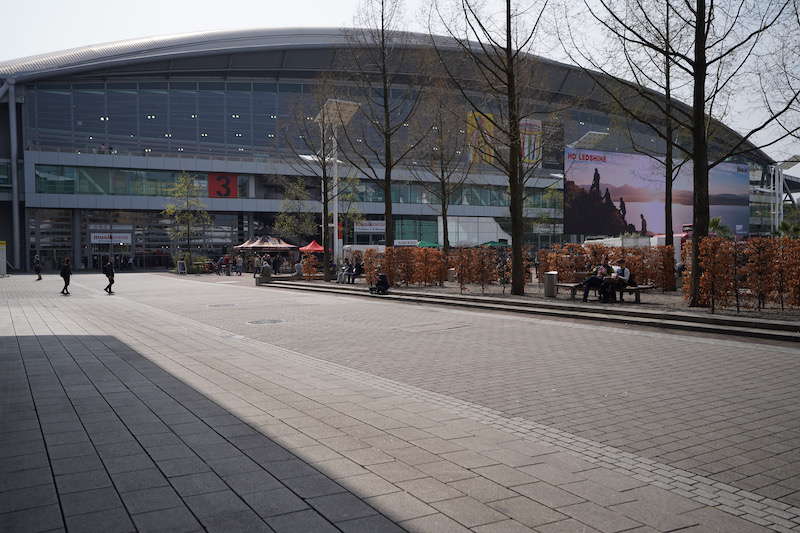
(335, 113)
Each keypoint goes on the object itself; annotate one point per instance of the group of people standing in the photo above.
(607, 280)
(66, 273)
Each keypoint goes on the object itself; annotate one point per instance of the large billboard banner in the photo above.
(609, 193)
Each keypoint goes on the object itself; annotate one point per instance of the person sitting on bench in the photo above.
(619, 279)
(595, 281)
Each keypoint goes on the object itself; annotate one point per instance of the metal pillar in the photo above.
(76, 239)
(12, 130)
(337, 244)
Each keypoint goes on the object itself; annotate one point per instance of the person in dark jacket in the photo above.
(66, 273)
(37, 267)
(108, 270)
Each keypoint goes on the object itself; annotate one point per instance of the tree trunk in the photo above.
(326, 242)
(700, 150)
(516, 187)
(189, 245)
(445, 230)
(387, 207)
(668, 133)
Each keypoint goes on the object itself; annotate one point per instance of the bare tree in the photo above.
(726, 39)
(311, 152)
(441, 163)
(385, 65)
(497, 78)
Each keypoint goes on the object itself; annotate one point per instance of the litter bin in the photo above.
(181, 267)
(550, 280)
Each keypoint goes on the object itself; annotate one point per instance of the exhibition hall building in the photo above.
(92, 140)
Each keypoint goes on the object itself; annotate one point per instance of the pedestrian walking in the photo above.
(37, 267)
(108, 270)
(66, 273)
(239, 265)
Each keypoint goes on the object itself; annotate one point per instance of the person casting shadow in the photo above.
(108, 270)
(66, 273)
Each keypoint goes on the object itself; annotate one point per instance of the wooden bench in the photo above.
(636, 291)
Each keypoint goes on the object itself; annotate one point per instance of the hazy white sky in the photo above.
(29, 27)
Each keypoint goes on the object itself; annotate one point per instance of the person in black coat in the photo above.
(37, 267)
(108, 270)
(66, 273)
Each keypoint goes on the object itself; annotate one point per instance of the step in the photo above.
(600, 309)
(575, 312)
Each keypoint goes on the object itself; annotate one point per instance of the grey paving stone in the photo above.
(468, 511)
(233, 465)
(82, 481)
(90, 501)
(436, 523)
(400, 506)
(366, 485)
(370, 524)
(527, 511)
(482, 489)
(215, 503)
(430, 489)
(246, 482)
(274, 502)
(341, 507)
(182, 466)
(178, 520)
(242, 521)
(599, 517)
(27, 461)
(26, 498)
(25, 478)
(139, 480)
(571, 526)
(300, 522)
(292, 468)
(44, 518)
(594, 492)
(155, 499)
(65, 451)
(548, 495)
(201, 483)
(396, 471)
(313, 486)
(116, 520)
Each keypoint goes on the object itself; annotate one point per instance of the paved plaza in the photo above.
(205, 403)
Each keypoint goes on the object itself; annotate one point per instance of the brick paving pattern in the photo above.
(162, 408)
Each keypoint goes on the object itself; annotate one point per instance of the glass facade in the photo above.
(136, 239)
(55, 179)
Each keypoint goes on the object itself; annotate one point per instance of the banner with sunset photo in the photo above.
(610, 193)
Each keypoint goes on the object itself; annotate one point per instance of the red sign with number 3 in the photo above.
(222, 185)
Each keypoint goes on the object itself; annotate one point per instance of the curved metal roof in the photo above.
(160, 48)
(167, 47)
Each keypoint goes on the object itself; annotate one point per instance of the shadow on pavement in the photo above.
(96, 437)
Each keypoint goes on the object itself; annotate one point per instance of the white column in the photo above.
(16, 239)
(337, 243)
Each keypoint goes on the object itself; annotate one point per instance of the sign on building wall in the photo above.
(530, 131)
(370, 226)
(609, 193)
(110, 238)
(221, 185)
(480, 137)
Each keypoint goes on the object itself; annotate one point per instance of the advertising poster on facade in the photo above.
(480, 133)
(609, 193)
(530, 130)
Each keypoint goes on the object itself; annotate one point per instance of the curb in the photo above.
(771, 330)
